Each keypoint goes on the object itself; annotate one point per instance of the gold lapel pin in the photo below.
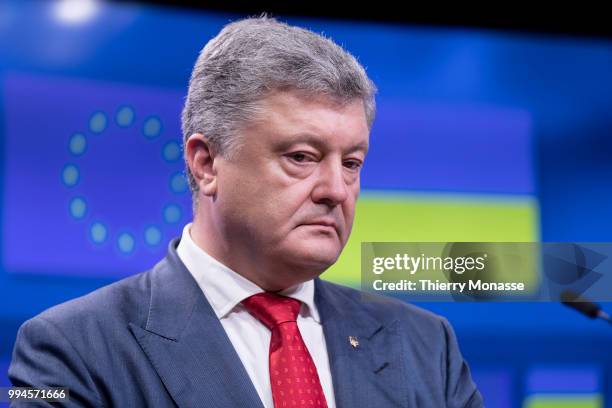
(354, 342)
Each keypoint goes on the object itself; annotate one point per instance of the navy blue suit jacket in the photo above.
(153, 340)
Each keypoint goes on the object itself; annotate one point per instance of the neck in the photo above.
(243, 259)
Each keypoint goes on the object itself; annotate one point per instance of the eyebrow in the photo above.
(315, 140)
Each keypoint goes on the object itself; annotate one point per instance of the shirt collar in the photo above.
(224, 288)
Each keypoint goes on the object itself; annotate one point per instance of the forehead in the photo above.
(291, 117)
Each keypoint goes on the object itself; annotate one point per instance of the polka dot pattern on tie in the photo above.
(293, 374)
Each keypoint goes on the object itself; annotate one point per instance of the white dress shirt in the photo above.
(225, 289)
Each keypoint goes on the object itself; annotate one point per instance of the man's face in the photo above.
(286, 199)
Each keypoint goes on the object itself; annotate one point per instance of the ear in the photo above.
(200, 157)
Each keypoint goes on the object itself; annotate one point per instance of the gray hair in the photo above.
(251, 58)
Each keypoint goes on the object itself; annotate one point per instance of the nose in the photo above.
(331, 188)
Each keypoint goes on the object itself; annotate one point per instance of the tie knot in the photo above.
(272, 309)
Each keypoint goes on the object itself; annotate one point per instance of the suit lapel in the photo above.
(187, 344)
(370, 373)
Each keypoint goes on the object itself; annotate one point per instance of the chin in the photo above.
(308, 252)
(316, 257)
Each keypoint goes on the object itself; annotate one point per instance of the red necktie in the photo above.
(293, 375)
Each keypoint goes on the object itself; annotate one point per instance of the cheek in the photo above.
(289, 197)
(237, 199)
(273, 207)
(348, 210)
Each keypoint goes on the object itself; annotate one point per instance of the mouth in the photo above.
(323, 225)
(329, 227)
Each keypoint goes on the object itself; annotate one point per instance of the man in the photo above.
(276, 127)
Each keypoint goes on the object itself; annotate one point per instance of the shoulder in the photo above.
(114, 305)
(426, 340)
(82, 342)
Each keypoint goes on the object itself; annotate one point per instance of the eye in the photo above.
(353, 164)
(300, 157)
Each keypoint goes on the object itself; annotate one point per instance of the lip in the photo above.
(323, 223)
